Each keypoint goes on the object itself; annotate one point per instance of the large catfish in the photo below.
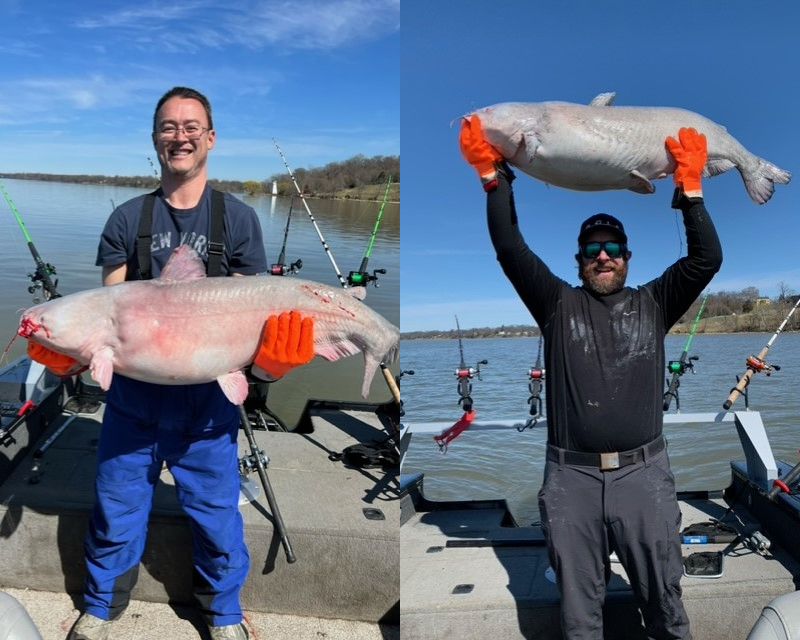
(184, 328)
(596, 147)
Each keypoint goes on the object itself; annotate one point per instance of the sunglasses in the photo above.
(591, 250)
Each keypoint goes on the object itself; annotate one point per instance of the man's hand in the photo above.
(690, 152)
(479, 153)
(58, 363)
(286, 342)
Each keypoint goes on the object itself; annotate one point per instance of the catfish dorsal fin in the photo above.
(184, 264)
(603, 100)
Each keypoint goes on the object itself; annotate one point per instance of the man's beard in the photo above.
(603, 286)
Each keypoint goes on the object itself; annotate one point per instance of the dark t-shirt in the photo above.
(191, 408)
(604, 354)
(244, 247)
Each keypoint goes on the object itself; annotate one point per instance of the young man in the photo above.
(190, 428)
(607, 483)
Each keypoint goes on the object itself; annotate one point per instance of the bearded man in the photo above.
(607, 484)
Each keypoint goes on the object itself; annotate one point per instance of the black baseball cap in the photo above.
(602, 221)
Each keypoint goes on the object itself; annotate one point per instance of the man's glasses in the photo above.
(591, 250)
(191, 131)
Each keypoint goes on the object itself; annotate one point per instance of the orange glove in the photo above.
(286, 342)
(690, 154)
(479, 153)
(58, 363)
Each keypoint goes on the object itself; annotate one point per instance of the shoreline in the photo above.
(231, 186)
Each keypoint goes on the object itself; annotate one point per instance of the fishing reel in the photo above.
(249, 463)
(679, 367)
(282, 269)
(41, 280)
(363, 278)
(405, 372)
(536, 376)
(757, 365)
(464, 375)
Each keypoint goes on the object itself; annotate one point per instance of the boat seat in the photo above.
(15, 623)
(779, 620)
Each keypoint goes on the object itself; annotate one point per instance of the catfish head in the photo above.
(70, 325)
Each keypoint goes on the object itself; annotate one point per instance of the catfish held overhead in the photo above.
(596, 147)
(184, 328)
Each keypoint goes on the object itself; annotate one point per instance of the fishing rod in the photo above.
(536, 380)
(325, 246)
(41, 277)
(257, 460)
(464, 375)
(756, 364)
(397, 378)
(155, 171)
(362, 278)
(678, 367)
(280, 269)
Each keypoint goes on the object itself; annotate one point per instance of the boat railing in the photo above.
(761, 466)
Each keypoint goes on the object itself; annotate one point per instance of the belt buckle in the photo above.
(609, 461)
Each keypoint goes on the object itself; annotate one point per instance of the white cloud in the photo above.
(286, 24)
(315, 25)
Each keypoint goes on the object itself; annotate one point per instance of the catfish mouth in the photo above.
(28, 327)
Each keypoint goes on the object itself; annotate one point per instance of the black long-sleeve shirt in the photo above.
(604, 354)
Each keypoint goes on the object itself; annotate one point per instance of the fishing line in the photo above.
(678, 231)
(4, 356)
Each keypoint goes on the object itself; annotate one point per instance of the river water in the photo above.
(509, 464)
(64, 221)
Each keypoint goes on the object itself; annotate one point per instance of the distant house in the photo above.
(760, 302)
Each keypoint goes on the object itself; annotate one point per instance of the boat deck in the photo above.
(55, 613)
(466, 569)
(341, 522)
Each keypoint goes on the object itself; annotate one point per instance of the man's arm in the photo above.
(534, 282)
(685, 280)
(704, 252)
(114, 274)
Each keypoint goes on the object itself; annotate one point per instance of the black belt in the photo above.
(606, 461)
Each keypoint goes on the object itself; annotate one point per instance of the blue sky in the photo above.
(735, 63)
(80, 81)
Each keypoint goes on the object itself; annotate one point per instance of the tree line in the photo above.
(747, 300)
(350, 178)
(358, 177)
(503, 331)
(724, 311)
(741, 311)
